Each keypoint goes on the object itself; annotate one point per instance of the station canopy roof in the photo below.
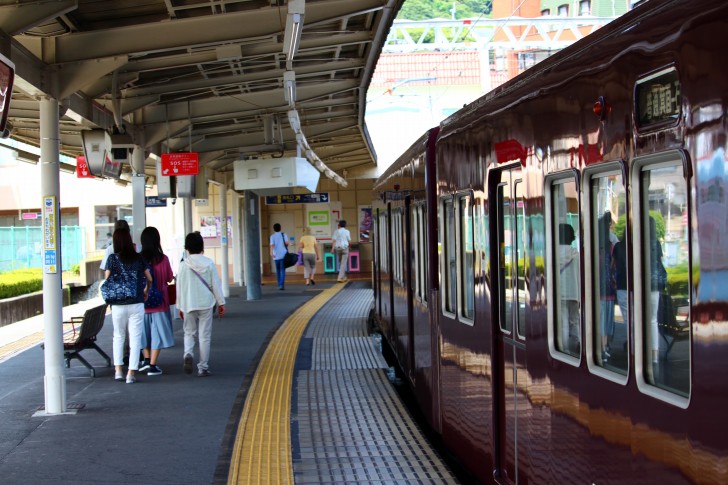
(206, 76)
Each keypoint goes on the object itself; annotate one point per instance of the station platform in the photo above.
(298, 394)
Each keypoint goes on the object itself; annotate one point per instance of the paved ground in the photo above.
(168, 429)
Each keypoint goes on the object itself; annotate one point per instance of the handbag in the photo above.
(299, 262)
(289, 260)
(172, 293)
(119, 287)
(154, 296)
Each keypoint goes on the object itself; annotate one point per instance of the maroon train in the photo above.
(551, 262)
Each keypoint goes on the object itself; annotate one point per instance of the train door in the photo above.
(509, 325)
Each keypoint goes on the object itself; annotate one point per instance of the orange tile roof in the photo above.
(448, 68)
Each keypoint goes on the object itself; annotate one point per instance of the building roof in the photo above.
(434, 68)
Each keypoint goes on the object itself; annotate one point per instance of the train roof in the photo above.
(606, 41)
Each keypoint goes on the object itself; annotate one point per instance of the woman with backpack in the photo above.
(128, 280)
(158, 333)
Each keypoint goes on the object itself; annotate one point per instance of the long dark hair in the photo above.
(151, 245)
(124, 246)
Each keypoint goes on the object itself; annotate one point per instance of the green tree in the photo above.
(442, 9)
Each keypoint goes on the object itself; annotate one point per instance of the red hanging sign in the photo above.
(176, 164)
(82, 170)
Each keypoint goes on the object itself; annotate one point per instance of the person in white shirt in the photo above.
(341, 240)
(199, 289)
(278, 250)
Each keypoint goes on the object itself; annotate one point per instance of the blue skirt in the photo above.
(158, 333)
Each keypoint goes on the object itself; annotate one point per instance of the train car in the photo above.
(573, 234)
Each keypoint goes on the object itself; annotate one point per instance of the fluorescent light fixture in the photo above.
(329, 173)
(319, 165)
(289, 87)
(294, 25)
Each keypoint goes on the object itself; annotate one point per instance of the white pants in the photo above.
(131, 317)
(343, 255)
(198, 321)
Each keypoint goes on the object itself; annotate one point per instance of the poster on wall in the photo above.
(318, 218)
(365, 223)
(211, 230)
(208, 228)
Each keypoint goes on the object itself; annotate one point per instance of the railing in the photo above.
(22, 247)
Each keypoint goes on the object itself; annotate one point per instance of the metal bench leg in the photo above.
(103, 354)
(85, 362)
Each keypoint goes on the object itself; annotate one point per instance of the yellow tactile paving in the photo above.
(20, 344)
(262, 451)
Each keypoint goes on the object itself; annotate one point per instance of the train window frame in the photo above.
(460, 270)
(445, 275)
(383, 239)
(618, 167)
(550, 181)
(641, 164)
(398, 243)
(418, 247)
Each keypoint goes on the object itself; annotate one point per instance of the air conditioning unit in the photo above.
(275, 176)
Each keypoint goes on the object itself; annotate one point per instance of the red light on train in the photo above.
(601, 108)
(396, 187)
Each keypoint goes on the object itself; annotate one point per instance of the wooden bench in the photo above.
(82, 336)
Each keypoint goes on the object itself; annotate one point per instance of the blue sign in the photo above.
(153, 201)
(315, 198)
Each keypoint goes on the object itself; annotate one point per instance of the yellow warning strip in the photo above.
(262, 450)
(21, 344)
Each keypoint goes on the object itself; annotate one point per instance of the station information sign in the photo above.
(315, 198)
(177, 164)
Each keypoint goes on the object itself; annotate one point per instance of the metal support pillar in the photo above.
(187, 207)
(238, 242)
(252, 246)
(138, 208)
(224, 276)
(55, 379)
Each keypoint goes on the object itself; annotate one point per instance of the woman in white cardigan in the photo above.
(198, 291)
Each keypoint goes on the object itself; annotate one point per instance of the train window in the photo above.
(419, 263)
(662, 291)
(424, 255)
(467, 283)
(398, 247)
(564, 267)
(521, 257)
(449, 273)
(608, 303)
(383, 243)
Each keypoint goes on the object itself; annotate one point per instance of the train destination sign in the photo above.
(176, 164)
(315, 198)
(658, 98)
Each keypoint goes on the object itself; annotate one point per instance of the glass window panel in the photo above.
(522, 258)
(450, 272)
(423, 252)
(567, 270)
(466, 256)
(666, 319)
(505, 266)
(609, 269)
